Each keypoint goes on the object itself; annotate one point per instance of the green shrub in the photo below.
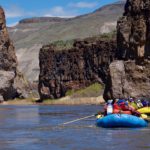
(93, 90)
(61, 45)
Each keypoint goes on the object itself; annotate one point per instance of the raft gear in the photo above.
(109, 107)
(139, 104)
(145, 103)
(144, 116)
(144, 110)
(99, 116)
(133, 104)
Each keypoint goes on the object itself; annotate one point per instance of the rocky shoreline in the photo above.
(63, 101)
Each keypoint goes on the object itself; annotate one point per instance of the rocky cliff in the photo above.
(10, 80)
(134, 30)
(130, 76)
(30, 34)
(85, 63)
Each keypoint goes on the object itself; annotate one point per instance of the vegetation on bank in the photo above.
(104, 36)
(86, 96)
(76, 101)
(68, 44)
(61, 45)
(18, 101)
(93, 90)
(110, 35)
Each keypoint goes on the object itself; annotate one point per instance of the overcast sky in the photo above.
(16, 10)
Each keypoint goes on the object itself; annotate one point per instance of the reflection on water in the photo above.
(38, 128)
(31, 115)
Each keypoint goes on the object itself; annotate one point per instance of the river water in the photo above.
(37, 128)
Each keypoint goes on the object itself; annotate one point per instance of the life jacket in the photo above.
(133, 104)
(144, 103)
(116, 106)
(123, 105)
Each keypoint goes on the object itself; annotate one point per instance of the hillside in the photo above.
(29, 36)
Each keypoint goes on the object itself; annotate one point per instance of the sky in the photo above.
(16, 10)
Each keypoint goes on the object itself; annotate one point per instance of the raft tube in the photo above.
(121, 120)
(144, 110)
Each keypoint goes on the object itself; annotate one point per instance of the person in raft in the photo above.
(139, 103)
(119, 106)
(145, 103)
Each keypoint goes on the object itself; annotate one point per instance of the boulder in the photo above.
(127, 79)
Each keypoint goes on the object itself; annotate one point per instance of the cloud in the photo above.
(59, 11)
(12, 24)
(15, 12)
(83, 4)
(68, 11)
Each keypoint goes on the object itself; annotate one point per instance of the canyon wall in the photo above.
(83, 64)
(30, 34)
(11, 81)
(134, 31)
(130, 75)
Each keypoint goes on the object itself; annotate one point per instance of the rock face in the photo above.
(8, 60)
(131, 75)
(127, 79)
(9, 88)
(78, 67)
(134, 30)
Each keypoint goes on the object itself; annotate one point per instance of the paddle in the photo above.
(65, 123)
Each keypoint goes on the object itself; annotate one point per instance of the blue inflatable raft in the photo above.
(121, 120)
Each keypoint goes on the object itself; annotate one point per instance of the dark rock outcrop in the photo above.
(9, 76)
(8, 60)
(78, 67)
(131, 75)
(42, 19)
(133, 30)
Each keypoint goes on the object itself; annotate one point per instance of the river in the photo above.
(37, 128)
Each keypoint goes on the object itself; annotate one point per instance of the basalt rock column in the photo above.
(9, 78)
(133, 31)
(132, 77)
(85, 63)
